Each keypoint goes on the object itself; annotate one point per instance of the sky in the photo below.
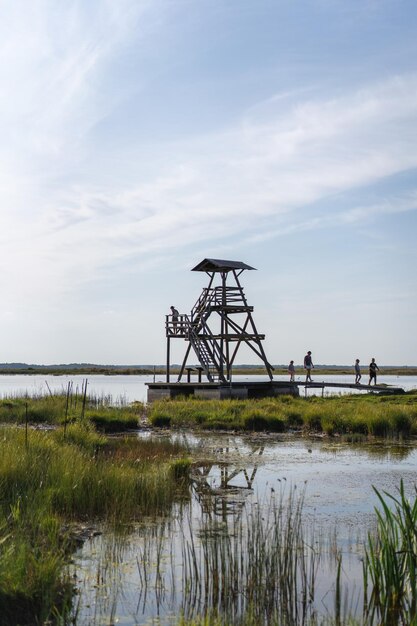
(139, 137)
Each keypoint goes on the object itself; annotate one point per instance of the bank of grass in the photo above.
(371, 415)
(51, 482)
(379, 416)
(58, 409)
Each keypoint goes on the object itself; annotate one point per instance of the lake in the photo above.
(126, 389)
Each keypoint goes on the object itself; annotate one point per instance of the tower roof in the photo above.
(220, 265)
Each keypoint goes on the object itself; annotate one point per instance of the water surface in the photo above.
(128, 388)
(234, 475)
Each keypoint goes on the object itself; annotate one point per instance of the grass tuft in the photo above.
(390, 565)
(53, 478)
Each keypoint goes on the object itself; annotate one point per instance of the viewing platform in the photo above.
(355, 386)
(256, 389)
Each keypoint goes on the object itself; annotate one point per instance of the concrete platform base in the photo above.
(217, 391)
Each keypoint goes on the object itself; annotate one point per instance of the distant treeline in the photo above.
(91, 368)
(77, 368)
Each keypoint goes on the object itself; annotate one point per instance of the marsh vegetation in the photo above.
(74, 496)
(380, 416)
(52, 482)
(72, 407)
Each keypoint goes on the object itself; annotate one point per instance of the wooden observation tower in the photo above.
(219, 324)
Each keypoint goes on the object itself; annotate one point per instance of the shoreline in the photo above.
(135, 371)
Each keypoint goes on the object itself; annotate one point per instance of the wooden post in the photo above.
(168, 358)
(26, 426)
(66, 408)
(84, 398)
(49, 389)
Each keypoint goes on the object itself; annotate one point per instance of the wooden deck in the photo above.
(357, 387)
(252, 389)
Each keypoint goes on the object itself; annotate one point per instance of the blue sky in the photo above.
(139, 137)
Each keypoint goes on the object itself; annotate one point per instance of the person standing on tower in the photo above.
(175, 316)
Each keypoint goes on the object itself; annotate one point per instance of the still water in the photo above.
(146, 578)
(125, 389)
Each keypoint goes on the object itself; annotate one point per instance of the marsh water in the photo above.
(155, 571)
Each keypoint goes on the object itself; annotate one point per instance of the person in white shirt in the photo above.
(358, 374)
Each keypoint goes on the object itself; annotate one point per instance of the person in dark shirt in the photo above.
(308, 364)
(373, 367)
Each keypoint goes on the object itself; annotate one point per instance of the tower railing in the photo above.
(216, 296)
(176, 325)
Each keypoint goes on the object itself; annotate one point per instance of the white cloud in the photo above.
(255, 178)
(237, 180)
(53, 60)
(82, 201)
(396, 204)
(233, 182)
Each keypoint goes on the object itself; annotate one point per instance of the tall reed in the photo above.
(390, 566)
(260, 564)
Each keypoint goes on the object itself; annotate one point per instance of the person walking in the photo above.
(358, 374)
(373, 367)
(308, 364)
(291, 371)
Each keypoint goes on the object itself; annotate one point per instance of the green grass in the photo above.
(57, 409)
(48, 483)
(114, 419)
(390, 566)
(386, 416)
(374, 416)
(84, 475)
